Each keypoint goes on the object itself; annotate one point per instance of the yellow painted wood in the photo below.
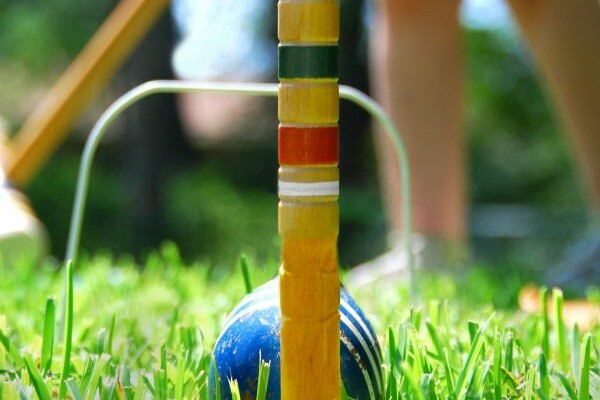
(44, 130)
(301, 219)
(309, 103)
(304, 376)
(316, 173)
(309, 290)
(322, 262)
(309, 21)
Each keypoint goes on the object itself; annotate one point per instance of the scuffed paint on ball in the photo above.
(253, 329)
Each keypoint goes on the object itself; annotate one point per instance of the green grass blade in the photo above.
(36, 379)
(111, 334)
(108, 390)
(140, 387)
(413, 383)
(392, 386)
(263, 379)
(161, 376)
(473, 328)
(402, 346)
(480, 386)
(180, 377)
(173, 326)
(497, 364)
(125, 382)
(510, 379)
(576, 354)
(150, 387)
(344, 393)
(415, 317)
(213, 365)
(469, 367)
(508, 354)
(74, 390)
(561, 336)
(246, 273)
(13, 352)
(429, 388)
(2, 349)
(99, 366)
(434, 312)
(530, 383)
(393, 350)
(86, 375)
(595, 382)
(9, 391)
(435, 339)
(100, 342)
(567, 385)
(68, 330)
(235, 389)
(422, 360)
(48, 337)
(584, 383)
(545, 321)
(544, 377)
(448, 373)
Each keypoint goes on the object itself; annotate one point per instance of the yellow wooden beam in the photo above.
(47, 126)
(309, 22)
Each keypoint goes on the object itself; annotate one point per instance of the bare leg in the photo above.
(417, 76)
(564, 37)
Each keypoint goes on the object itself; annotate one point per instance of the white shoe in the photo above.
(22, 236)
(428, 253)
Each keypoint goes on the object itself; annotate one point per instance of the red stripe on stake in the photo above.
(308, 146)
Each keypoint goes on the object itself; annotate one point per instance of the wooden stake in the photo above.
(308, 192)
(45, 129)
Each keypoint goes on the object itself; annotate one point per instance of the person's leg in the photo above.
(417, 76)
(564, 37)
(416, 72)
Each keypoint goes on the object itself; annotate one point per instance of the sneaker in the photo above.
(429, 253)
(22, 236)
(580, 266)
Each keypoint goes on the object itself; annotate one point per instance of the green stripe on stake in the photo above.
(297, 62)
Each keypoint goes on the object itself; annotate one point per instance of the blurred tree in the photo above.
(154, 142)
(33, 36)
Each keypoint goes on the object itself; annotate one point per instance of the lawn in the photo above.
(147, 332)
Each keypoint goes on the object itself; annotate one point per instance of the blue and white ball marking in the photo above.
(254, 327)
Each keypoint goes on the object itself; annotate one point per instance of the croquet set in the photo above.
(303, 322)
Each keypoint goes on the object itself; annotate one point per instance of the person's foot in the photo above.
(428, 253)
(584, 313)
(580, 267)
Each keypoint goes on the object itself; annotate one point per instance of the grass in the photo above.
(135, 333)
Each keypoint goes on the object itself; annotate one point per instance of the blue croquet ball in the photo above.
(253, 328)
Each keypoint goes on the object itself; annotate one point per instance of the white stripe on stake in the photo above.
(300, 189)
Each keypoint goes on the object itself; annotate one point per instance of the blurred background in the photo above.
(201, 170)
